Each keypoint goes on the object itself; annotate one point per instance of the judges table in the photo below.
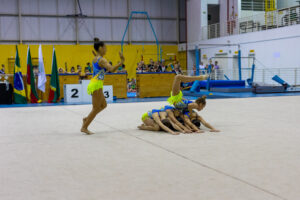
(117, 80)
(154, 84)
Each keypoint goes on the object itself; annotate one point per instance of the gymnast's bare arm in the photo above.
(103, 62)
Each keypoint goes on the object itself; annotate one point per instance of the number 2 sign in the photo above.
(73, 93)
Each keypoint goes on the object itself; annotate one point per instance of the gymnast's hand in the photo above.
(214, 130)
(175, 133)
(121, 57)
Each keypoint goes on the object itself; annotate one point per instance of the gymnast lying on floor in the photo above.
(181, 117)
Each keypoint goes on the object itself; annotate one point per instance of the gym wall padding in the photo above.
(81, 54)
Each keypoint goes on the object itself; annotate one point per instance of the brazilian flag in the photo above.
(19, 89)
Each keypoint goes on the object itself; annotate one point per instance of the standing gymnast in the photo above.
(95, 87)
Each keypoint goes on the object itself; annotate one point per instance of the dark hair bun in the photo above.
(96, 39)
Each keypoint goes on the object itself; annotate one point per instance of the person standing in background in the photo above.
(194, 69)
(201, 68)
(2, 71)
(66, 67)
(217, 70)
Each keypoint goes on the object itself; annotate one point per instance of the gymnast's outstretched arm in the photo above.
(156, 118)
(103, 62)
(174, 120)
(190, 124)
(212, 129)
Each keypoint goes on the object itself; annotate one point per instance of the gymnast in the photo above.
(177, 99)
(152, 122)
(173, 115)
(193, 120)
(95, 87)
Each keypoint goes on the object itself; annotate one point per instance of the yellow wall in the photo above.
(81, 54)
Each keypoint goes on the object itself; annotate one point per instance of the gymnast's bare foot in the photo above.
(86, 131)
(141, 127)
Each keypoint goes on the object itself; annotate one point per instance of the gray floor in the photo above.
(256, 156)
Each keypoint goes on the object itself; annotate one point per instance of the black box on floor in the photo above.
(259, 88)
(6, 93)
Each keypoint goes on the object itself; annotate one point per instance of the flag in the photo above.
(31, 91)
(42, 76)
(19, 90)
(54, 82)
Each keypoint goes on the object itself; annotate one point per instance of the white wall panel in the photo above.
(30, 28)
(9, 28)
(138, 31)
(103, 29)
(169, 8)
(47, 7)
(61, 28)
(102, 8)
(118, 27)
(157, 28)
(66, 7)
(153, 7)
(48, 28)
(137, 5)
(87, 7)
(86, 31)
(66, 29)
(29, 7)
(8, 6)
(169, 30)
(119, 8)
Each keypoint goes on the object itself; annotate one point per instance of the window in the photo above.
(255, 5)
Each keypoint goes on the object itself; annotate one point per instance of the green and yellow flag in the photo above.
(54, 92)
(19, 90)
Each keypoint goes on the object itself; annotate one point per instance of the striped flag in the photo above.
(31, 91)
(54, 92)
(19, 90)
(41, 76)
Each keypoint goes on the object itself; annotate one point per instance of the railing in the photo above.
(261, 75)
(264, 21)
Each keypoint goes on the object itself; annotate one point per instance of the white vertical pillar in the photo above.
(193, 21)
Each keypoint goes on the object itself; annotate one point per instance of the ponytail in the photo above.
(97, 43)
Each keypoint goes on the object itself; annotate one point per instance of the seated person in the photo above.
(88, 68)
(82, 74)
(60, 70)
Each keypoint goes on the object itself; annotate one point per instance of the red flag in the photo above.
(31, 90)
